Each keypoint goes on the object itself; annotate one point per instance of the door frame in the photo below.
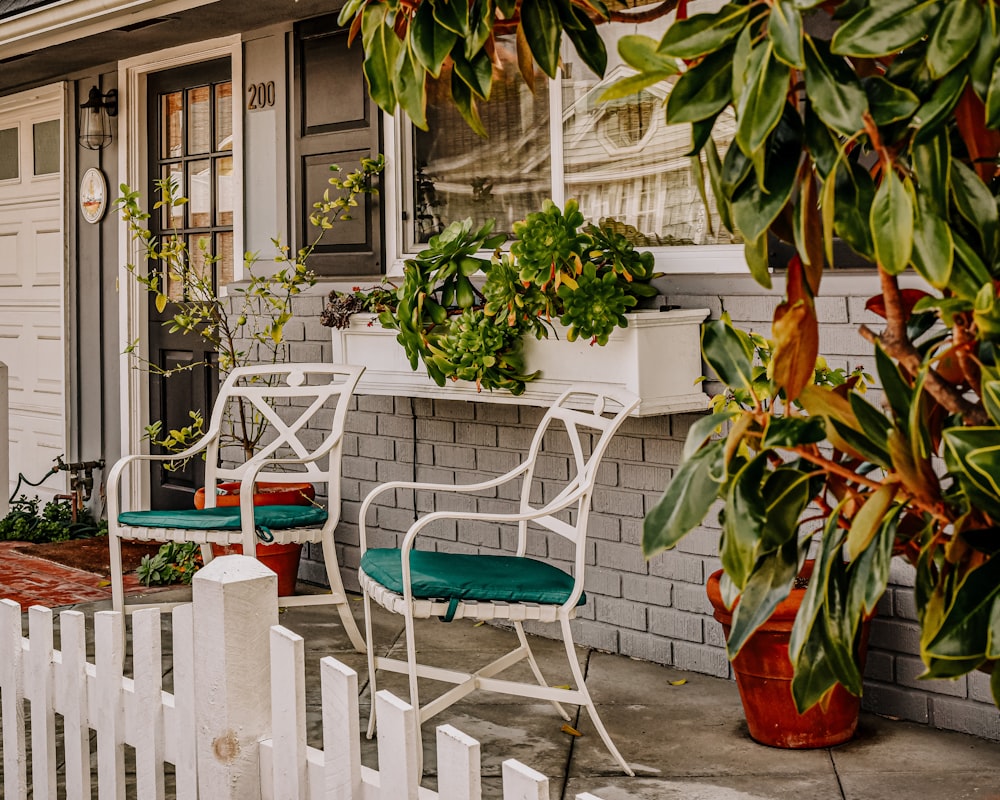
(133, 169)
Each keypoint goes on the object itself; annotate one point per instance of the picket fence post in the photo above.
(235, 605)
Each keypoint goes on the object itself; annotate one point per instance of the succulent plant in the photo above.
(596, 307)
(510, 301)
(548, 246)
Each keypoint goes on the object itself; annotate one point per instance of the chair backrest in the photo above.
(589, 416)
(301, 408)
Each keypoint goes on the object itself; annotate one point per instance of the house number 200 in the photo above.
(261, 95)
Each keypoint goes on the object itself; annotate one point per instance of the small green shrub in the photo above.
(175, 562)
(53, 523)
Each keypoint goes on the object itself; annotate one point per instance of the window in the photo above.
(619, 160)
(45, 136)
(9, 155)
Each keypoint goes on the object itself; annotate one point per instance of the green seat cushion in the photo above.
(226, 519)
(460, 576)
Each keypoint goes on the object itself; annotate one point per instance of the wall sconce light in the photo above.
(94, 129)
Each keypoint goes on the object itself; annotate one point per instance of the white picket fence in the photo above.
(225, 740)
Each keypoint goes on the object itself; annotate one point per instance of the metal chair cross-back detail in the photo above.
(304, 408)
(424, 583)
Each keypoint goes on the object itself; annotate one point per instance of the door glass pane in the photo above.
(47, 147)
(200, 193)
(224, 269)
(458, 174)
(224, 116)
(173, 280)
(172, 114)
(224, 190)
(199, 248)
(173, 216)
(9, 154)
(623, 162)
(200, 126)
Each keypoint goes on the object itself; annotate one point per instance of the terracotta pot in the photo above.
(764, 678)
(282, 559)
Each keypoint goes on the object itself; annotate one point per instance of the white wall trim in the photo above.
(132, 167)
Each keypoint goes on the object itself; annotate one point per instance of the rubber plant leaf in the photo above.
(854, 194)
(931, 162)
(409, 82)
(461, 94)
(686, 501)
(701, 430)
(934, 114)
(834, 91)
(885, 27)
(874, 424)
(973, 455)
(991, 399)
(453, 15)
(795, 331)
(704, 33)
(965, 628)
(760, 105)
(787, 492)
(808, 230)
(477, 74)
(792, 431)
(431, 41)
(784, 29)
(703, 91)
(770, 583)
(480, 27)
(729, 352)
(891, 222)
(933, 254)
(868, 573)
(540, 21)
(956, 33)
(586, 40)
(868, 519)
(743, 526)
(975, 202)
(381, 50)
(888, 102)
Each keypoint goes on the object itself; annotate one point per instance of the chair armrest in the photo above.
(429, 487)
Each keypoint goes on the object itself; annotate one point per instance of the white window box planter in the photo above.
(658, 357)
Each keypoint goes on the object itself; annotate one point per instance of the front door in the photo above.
(191, 142)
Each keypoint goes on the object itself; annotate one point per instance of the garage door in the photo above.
(33, 280)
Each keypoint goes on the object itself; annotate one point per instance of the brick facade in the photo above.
(655, 610)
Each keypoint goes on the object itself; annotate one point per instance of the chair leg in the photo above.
(117, 579)
(371, 663)
(411, 661)
(581, 685)
(535, 669)
(337, 589)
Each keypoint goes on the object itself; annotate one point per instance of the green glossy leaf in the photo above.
(972, 454)
(704, 33)
(769, 584)
(993, 633)
(892, 224)
(586, 40)
(703, 91)
(933, 252)
(976, 203)
(841, 629)
(787, 491)
(686, 501)
(349, 11)
(743, 526)
(741, 58)
(640, 53)
(885, 27)
(784, 29)
(452, 15)
(409, 82)
(993, 99)
(755, 254)
(888, 102)
(729, 352)
(868, 573)
(874, 423)
(821, 142)
(931, 162)
(814, 676)
(868, 520)
(991, 399)
(701, 133)
(897, 389)
(701, 430)
(431, 42)
(965, 628)
(480, 27)
(461, 95)
(834, 92)
(714, 164)
(381, 50)
(956, 33)
(755, 208)
(853, 199)
(948, 668)
(860, 443)
(983, 61)
(791, 431)
(760, 106)
(934, 114)
(540, 23)
(476, 74)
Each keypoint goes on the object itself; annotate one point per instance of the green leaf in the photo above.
(701, 430)
(755, 208)
(763, 99)
(587, 41)
(792, 431)
(729, 352)
(476, 74)
(769, 584)
(991, 399)
(714, 165)
(161, 302)
(965, 628)
(972, 454)
(955, 35)
(897, 390)
(453, 15)
(704, 33)
(885, 27)
(976, 203)
(784, 29)
(834, 92)
(931, 161)
(983, 61)
(755, 254)
(540, 23)
(993, 99)
(933, 246)
(934, 114)
(431, 41)
(868, 573)
(461, 94)
(892, 224)
(993, 634)
(853, 198)
(743, 526)
(868, 519)
(409, 82)
(686, 501)
(480, 27)
(703, 91)
(888, 102)
(640, 52)
(381, 50)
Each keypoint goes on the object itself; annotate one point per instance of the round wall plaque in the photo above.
(93, 195)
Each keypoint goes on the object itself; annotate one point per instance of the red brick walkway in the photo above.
(34, 581)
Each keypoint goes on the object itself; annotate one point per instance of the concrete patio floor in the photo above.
(683, 741)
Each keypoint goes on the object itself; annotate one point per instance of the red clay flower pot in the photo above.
(282, 559)
(764, 678)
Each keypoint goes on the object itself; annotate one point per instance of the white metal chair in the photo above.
(305, 406)
(423, 583)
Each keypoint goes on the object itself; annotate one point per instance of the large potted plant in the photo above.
(243, 325)
(871, 121)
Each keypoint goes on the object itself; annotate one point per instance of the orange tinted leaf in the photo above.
(567, 728)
